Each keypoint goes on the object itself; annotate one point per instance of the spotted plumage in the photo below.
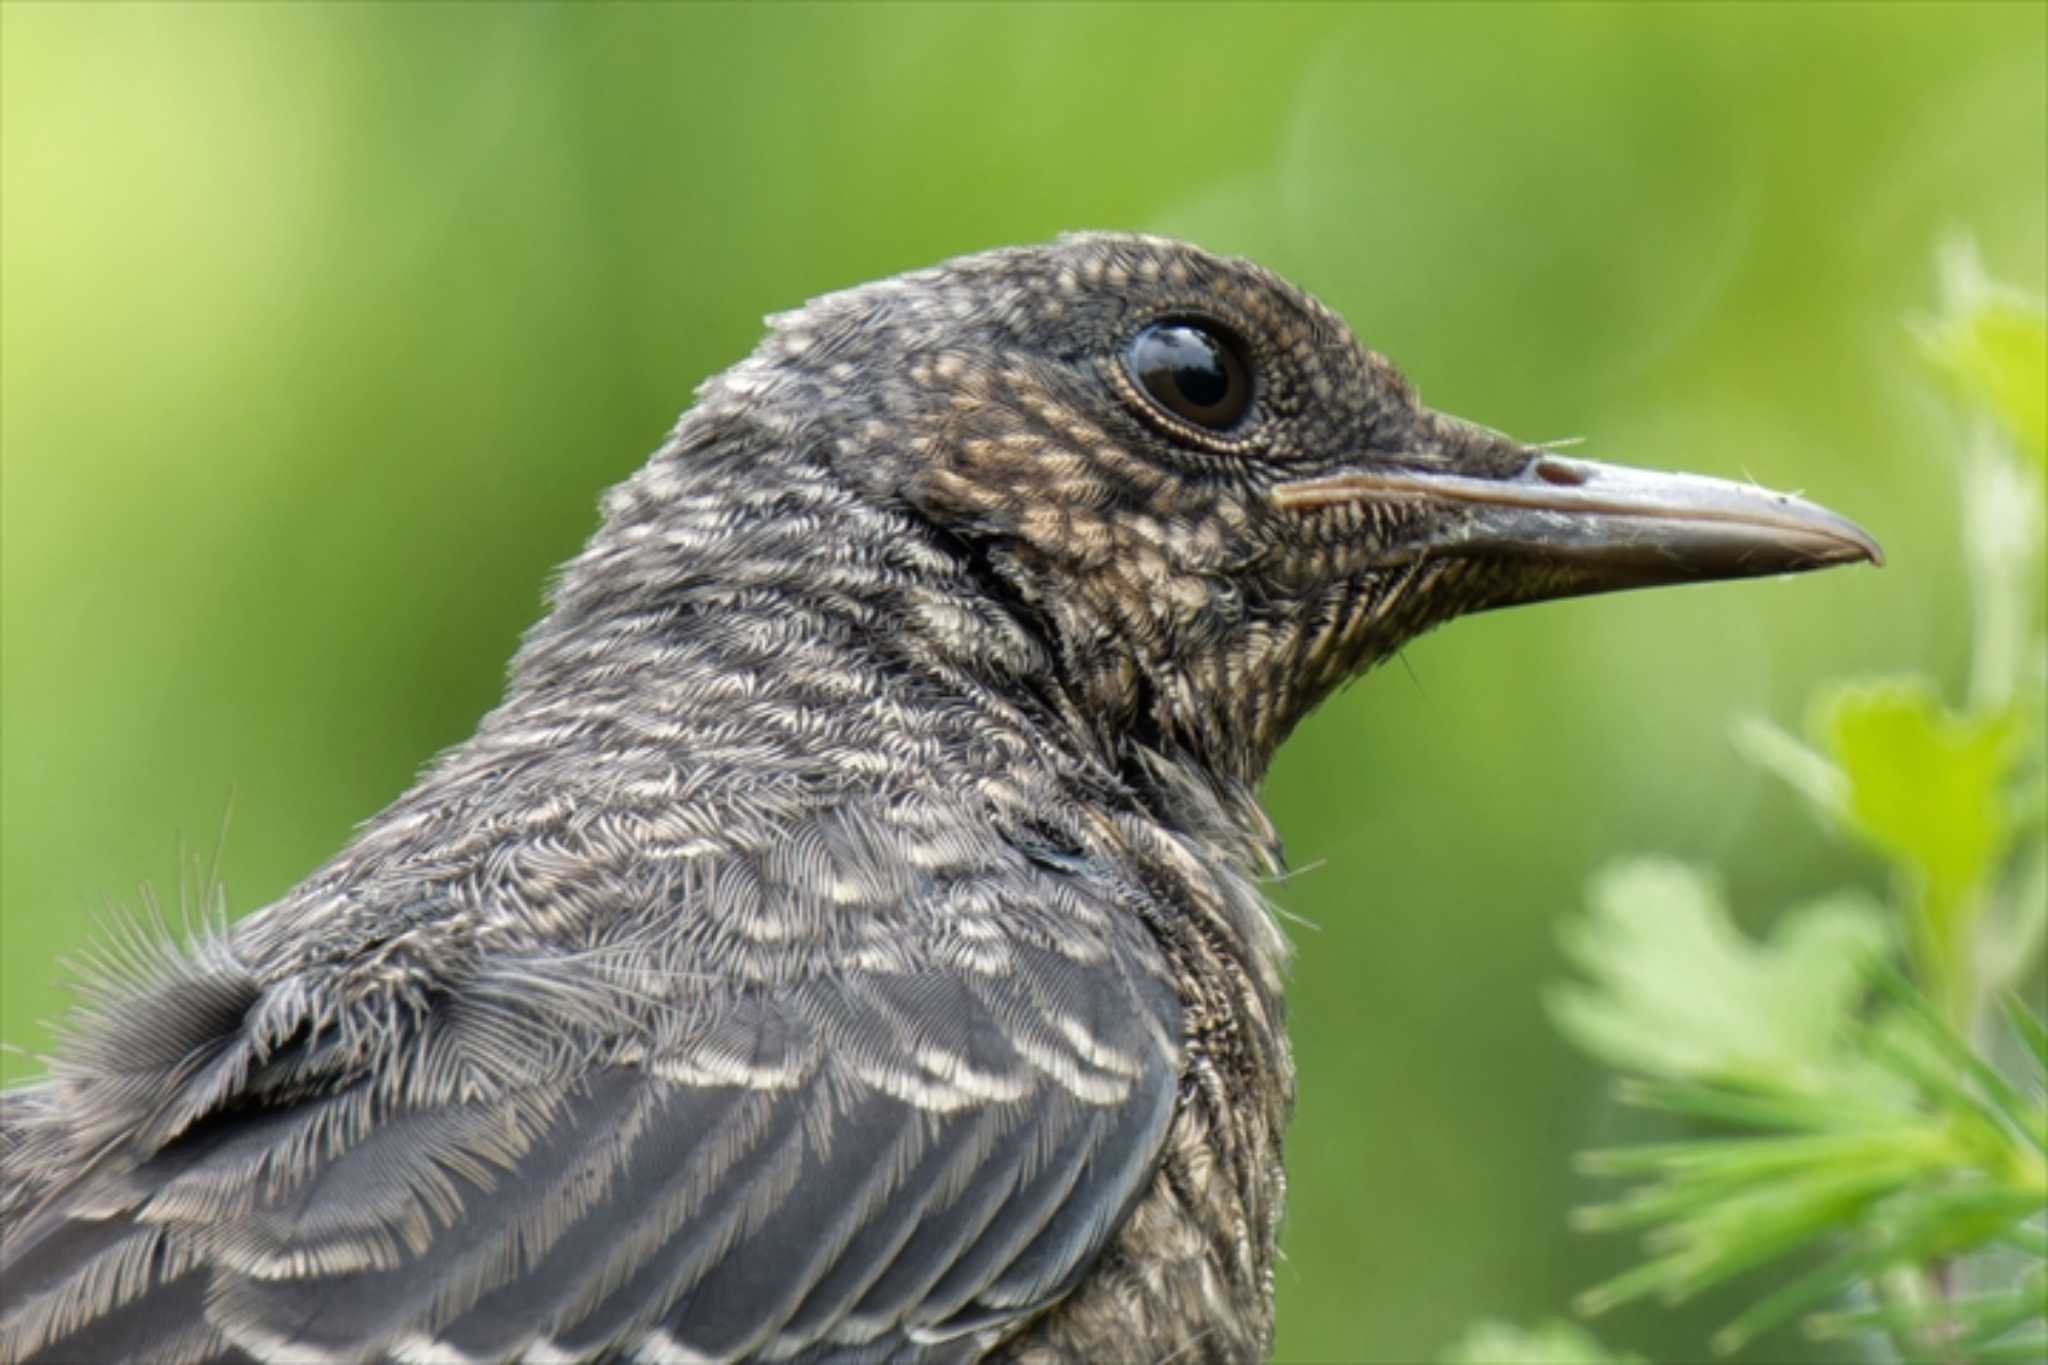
(844, 942)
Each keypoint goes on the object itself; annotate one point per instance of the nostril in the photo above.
(1559, 472)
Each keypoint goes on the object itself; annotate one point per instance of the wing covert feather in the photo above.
(896, 1161)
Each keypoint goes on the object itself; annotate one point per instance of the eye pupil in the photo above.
(1202, 380)
(1193, 371)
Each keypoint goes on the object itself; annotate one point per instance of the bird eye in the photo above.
(1194, 370)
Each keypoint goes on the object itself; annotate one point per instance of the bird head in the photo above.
(1209, 502)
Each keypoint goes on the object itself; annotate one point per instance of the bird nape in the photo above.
(844, 941)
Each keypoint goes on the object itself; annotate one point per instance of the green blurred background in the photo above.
(324, 326)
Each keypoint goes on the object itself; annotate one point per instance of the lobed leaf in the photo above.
(1679, 992)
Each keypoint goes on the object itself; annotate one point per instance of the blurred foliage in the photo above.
(321, 327)
(1884, 1133)
(1877, 1122)
(1942, 796)
(1552, 1343)
(1682, 992)
(1991, 342)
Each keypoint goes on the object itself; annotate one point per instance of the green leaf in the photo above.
(2028, 1027)
(1695, 1190)
(1991, 343)
(1927, 788)
(1968, 1321)
(1551, 1343)
(1994, 1098)
(1818, 1285)
(1749, 1109)
(1933, 1222)
(1770, 1218)
(1679, 992)
(1881, 1134)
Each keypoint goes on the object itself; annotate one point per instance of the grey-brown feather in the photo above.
(844, 941)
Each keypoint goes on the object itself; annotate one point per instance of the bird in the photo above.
(846, 940)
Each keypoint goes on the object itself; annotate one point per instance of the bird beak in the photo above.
(1593, 527)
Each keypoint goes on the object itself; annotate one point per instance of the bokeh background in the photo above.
(324, 326)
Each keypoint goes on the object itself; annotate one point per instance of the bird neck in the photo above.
(738, 558)
(738, 552)
(1215, 693)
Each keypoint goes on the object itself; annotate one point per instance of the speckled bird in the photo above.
(845, 941)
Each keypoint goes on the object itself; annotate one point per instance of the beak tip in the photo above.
(1831, 543)
(1858, 545)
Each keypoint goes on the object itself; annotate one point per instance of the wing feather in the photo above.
(901, 1152)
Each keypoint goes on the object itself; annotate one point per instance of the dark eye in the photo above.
(1194, 370)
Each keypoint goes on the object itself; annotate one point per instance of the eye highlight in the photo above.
(1194, 371)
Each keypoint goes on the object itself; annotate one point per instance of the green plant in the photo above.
(1870, 1080)
(1551, 1343)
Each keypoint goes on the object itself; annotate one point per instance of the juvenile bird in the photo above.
(844, 942)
